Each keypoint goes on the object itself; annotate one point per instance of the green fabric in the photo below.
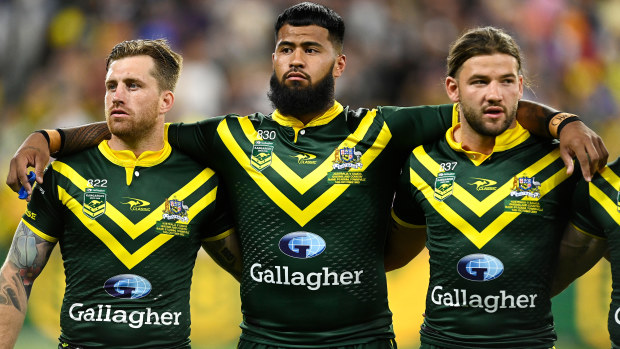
(122, 229)
(332, 181)
(512, 207)
(596, 211)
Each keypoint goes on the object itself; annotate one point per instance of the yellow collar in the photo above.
(508, 139)
(297, 125)
(128, 160)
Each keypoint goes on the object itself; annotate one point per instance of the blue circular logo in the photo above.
(127, 286)
(480, 267)
(302, 244)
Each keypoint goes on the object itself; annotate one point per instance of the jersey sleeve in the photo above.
(582, 216)
(195, 139)
(406, 210)
(44, 211)
(414, 126)
(220, 225)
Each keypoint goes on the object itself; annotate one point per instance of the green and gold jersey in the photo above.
(129, 230)
(596, 212)
(311, 206)
(493, 229)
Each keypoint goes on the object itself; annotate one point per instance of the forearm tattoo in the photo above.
(83, 137)
(27, 256)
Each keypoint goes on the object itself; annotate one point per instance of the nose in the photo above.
(494, 91)
(118, 95)
(297, 59)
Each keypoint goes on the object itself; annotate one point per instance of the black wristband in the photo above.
(549, 117)
(566, 122)
(62, 139)
(44, 133)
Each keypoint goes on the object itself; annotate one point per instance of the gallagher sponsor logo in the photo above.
(480, 267)
(302, 245)
(127, 286)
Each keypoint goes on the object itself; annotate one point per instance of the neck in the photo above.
(473, 141)
(152, 141)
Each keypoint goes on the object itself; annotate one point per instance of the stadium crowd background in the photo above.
(52, 68)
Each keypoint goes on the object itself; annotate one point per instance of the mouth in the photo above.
(118, 113)
(296, 76)
(495, 111)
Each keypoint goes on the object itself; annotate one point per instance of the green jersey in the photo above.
(129, 230)
(311, 205)
(493, 229)
(596, 211)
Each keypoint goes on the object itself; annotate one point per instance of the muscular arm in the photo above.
(576, 139)
(27, 256)
(226, 253)
(35, 151)
(578, 253)
(402, 245)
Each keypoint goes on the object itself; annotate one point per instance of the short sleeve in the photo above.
(582, 216)
(406, 210)
(220, 224)
(195, 139)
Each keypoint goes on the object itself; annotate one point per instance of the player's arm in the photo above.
(27, 256)
(403, 243)
(226, 253)
(36, 150)
(578, 253)
(576, 139)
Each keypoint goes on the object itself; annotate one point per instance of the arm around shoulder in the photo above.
(578, 253)
(36, 150)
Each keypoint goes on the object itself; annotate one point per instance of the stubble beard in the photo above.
(135, 128)
(298, 101)
(475, 121)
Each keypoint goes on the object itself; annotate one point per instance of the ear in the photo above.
(520, 86)
(273, 60)
(341, 63)
(166, 101)
(452, 89)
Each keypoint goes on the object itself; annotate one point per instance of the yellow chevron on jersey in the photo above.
(612, 208)
(133, 230)
(481, 207)
(302, 185)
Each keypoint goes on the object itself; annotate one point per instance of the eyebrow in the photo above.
(480, 76)
(303, 44)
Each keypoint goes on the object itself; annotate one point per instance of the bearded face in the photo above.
(295, 99)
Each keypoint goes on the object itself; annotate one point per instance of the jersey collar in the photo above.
(128, 160)
(508, 139)
(297, 125)
(324, 119)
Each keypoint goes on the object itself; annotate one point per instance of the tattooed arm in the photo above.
(27, 256)
(226, 253)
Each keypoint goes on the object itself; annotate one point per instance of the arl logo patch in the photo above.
(261, 155)
(347, 158)
(444, 183)
(94, 202)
